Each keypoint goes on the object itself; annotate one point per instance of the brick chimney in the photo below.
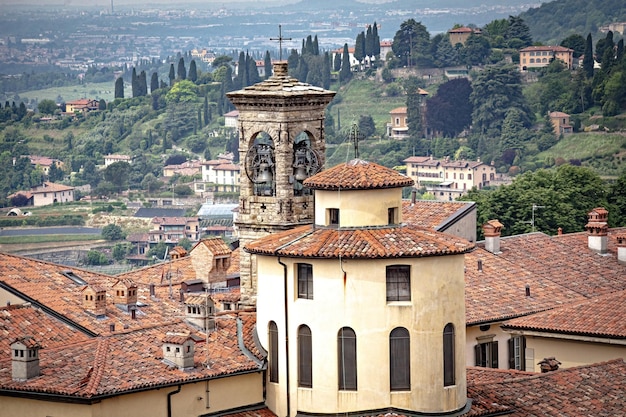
(598, 229)
(25, 358)
(94, 300)
(492, 230)
(125, 293)
(621, 248)
(179, 349)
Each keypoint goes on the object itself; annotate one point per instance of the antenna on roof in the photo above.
(355, 136)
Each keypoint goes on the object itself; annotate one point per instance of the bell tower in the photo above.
(281, 143)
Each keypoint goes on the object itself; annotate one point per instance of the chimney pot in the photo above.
(112, 327)
(480, 265)
(133, 314)
(527, 290)
(560, 231)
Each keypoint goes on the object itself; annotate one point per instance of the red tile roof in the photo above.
(387, 242)
(357, 175)
(433, 214)
(99, 367)
(602, 316)
(592, 390)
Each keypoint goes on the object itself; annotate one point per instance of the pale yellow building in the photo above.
(541, 56)
(373, 308)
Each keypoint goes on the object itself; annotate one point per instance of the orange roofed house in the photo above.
(399, 127)
(47, 193)
(561, 123)
(83, 105)
(541, 56)
(460, 35)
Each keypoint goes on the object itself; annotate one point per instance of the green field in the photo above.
(97, 91)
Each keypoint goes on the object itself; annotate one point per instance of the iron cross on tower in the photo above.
(280, 40)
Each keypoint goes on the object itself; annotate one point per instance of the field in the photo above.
(88, 90)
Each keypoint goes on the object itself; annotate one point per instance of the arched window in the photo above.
(273, 351)
(400, 359)
(448, 355)
(346, 355)
(305, 357)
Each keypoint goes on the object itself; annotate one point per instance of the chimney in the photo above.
(25, 358)
(549, 364)
(621, 249)
(94, 300)
(112, 327)
(559, 231)
(179, 348)
(598, 229)
(413, 197)
(492, 230)
(480, 265)
(133, 314)
(527, 290)
(152, 292)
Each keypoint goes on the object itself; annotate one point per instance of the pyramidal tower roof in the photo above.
(280, 84)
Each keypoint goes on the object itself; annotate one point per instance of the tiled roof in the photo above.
(481, 375)
(602, 316)
(261, 412)
(416, 159)
(568, 261)
(432, 214)
(99, 367)
(558, 114)
(398, 110)
(357, 175)
(388, 242)
(461, 164)
(546, 48)
(50, 187)
(498, 291)
(48, 286)
(216, 245)
(592, 390)
(233, 268)
(18, 321)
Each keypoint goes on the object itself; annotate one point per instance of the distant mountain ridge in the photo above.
(554, 21)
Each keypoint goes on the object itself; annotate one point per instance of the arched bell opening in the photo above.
(306, 162)
(260, 165)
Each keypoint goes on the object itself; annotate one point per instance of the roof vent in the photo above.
(25, 358)
(549, 364)
(75, 278)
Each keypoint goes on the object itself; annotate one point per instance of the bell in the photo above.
(264, 175)
(300, 173)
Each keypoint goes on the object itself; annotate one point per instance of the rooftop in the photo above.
(357, 175)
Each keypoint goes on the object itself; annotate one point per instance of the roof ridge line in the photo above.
(98, 366)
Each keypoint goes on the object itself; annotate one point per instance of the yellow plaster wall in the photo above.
(359, 301)
(353, 212)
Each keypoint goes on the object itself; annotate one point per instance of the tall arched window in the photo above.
(448, 355)
(400, 359)
(305, 357)
(346, 355)
(273, 351)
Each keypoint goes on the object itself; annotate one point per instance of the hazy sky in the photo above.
(134, 2)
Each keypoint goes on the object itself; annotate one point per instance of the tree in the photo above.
(337, 62)
(252, 71)
(117, 174)
(375, 41)
(267, 64)
(450, 110)
(154, 82)
(359, 47)
(346, 72)
(134, 84)
(120, 250)
(588, 57)
(366, 126)
(411, 42)
(518, 33)
(414, 99)
(119, 87)
(182, 71)
(158, 251)
(172, 75)
(575, 42)
(193, 72)
(47, 106)
(142, 84)
(185, 243)
(369, 42)
(102, 105)
(95, 257)
(113, 232)
(476, 50)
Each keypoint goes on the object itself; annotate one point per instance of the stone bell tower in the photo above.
(281, 143)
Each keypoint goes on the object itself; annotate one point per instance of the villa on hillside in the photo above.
(541, 56)
(46, 194)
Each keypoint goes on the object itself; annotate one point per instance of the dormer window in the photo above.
(332, 217)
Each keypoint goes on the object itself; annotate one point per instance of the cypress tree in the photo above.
(182, 71)
(316, 46)
(375, 41)
(119, 88)
(588, 58)
(205, 108)
(134, 84)
(172, 75)
(143, 84)
(193, 71)
(346, 73)
(154, 82)
(369, 42)
(337, 62)
(268, 65)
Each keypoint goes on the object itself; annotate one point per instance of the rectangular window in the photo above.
(305, 281)
(399, 283)
(486, 354)
(517, 348)
(273, 352)
(332, 216)
(392, 215)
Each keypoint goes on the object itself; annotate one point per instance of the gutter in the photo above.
(285, 300)
(169, 400)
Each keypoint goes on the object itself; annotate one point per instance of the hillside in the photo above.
(554, 21)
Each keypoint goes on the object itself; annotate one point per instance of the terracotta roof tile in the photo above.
(388, 242)
(358, 175)
(99, 366)
(592, 390)
(432, 214)
(602, 316)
